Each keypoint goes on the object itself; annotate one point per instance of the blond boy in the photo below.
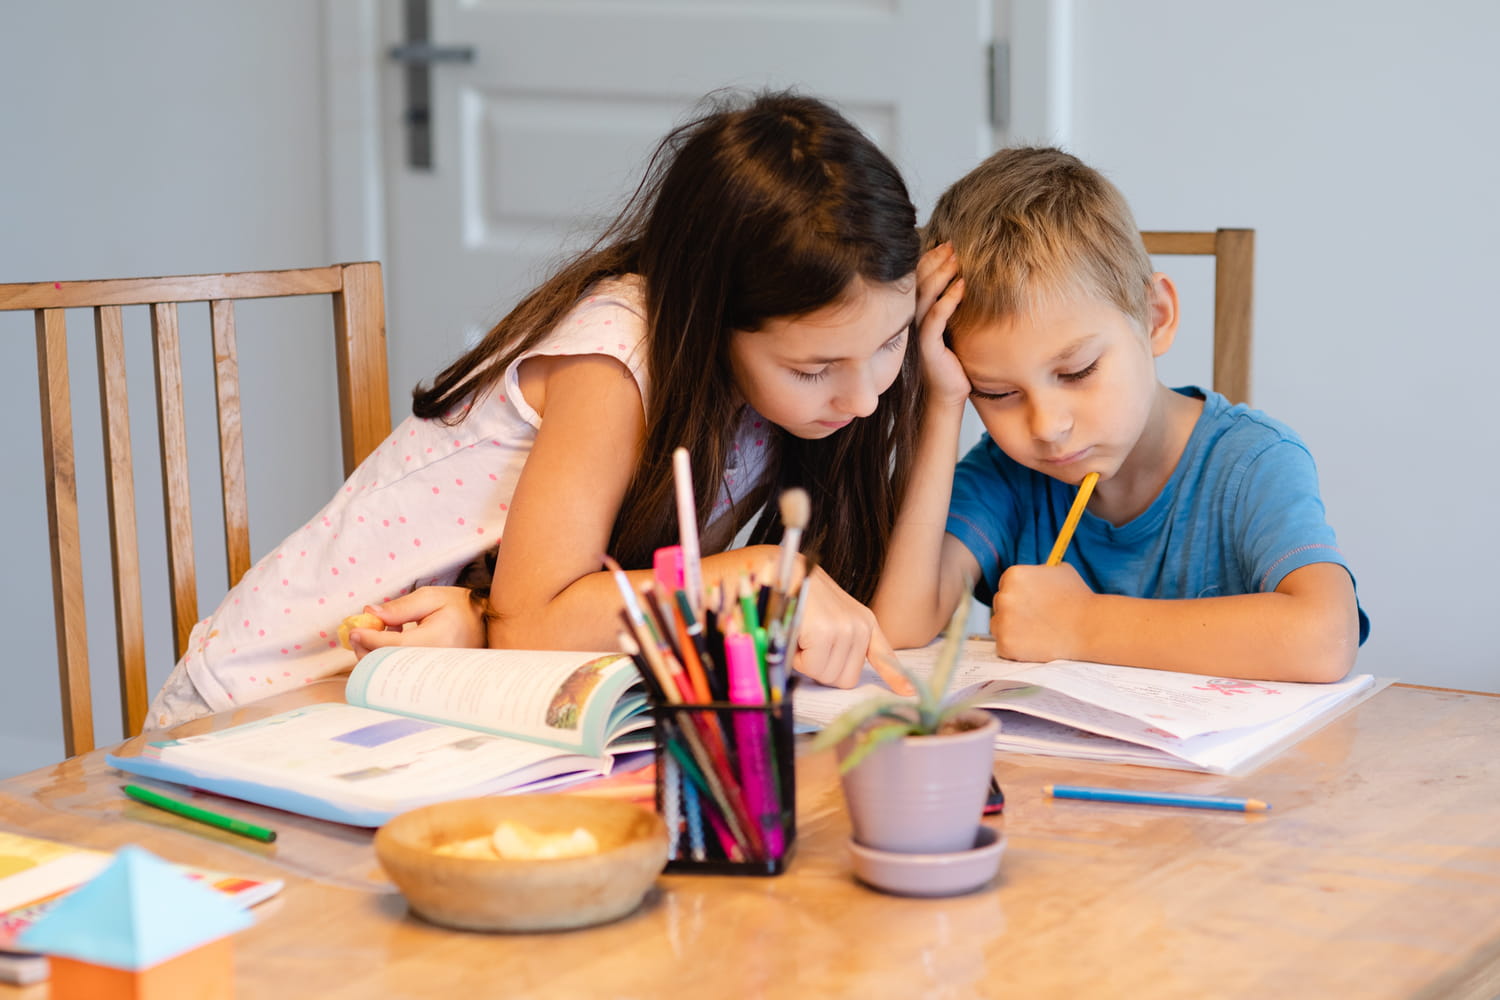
(1204, 547)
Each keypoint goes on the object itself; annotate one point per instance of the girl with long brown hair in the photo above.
(752, 302)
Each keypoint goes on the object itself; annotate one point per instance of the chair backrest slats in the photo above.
(62, 528)
(119, 464)
(231, 441)
(177, 508)
(186, 288)
(1234, 271)
(1233, 251)
(1180, 242)
(364, 414)
(363, 382)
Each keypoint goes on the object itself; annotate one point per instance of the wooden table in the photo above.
(1377, 874)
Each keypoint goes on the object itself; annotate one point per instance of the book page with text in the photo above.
(1126, 714)
(558, 698)
(363, 758)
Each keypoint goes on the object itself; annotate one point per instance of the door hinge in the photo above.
(999, 84)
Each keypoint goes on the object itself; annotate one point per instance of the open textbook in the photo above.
(1129, 715)
(422, 726)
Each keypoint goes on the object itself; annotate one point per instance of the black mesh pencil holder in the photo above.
(726, 786)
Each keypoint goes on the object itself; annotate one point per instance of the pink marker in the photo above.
(750, 737)
(666, 567)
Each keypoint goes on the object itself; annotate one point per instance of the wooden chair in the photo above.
(364, 410)
(1233, 251)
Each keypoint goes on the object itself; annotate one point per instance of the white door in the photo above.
(537, 139)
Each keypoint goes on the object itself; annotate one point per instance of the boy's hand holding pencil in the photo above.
(1037, 612)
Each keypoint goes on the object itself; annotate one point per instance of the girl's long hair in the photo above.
(761, 208)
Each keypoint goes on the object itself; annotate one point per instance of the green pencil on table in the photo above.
(176, 807)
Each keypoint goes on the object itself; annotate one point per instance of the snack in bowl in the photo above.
(362, 620)
(521, 843)
(453, 862)
(515, 842)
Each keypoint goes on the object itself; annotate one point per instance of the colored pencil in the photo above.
(1154, 798)
(693, 663)
(705, 738)
(627, 592)
(717, 689)
(1085, 489)
(205, 816)
(729, 804)
(632, 648)
(669, 784)
(749, 608)
(692, 810)
(724, 790)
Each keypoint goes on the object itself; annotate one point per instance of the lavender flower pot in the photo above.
(923, 794)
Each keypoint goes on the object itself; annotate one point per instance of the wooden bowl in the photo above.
(497, 894)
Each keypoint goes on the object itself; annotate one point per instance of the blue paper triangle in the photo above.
(136, 913)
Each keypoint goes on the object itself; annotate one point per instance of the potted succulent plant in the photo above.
(915, 771)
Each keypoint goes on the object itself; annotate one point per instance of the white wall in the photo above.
(1359, 140)
(140, 139)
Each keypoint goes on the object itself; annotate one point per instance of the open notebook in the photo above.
(1129, 715)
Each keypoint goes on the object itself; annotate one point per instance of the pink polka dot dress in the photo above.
(415, 512)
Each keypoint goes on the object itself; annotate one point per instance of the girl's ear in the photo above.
(1161, 312)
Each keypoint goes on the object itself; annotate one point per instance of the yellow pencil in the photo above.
(1085, 490)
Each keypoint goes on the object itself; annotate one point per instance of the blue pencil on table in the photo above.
(1154, 798)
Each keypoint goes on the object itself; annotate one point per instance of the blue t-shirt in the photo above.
(1239, 513)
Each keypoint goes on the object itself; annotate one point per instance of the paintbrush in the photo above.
(796, 511)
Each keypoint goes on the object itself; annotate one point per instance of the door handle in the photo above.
(423, 53)
(417, 55)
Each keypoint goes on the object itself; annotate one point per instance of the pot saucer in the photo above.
(930, 874)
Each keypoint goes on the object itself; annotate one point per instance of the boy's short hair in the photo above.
(1034, 222)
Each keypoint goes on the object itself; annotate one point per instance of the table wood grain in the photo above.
(1375, 875)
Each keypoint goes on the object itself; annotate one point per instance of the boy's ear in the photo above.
(1161, 312)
